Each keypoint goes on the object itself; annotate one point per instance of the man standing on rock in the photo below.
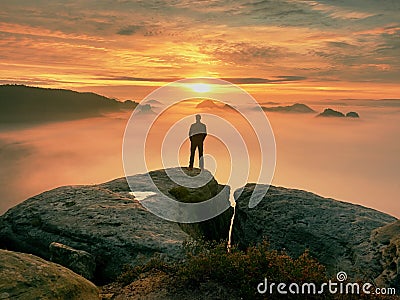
(197, 134)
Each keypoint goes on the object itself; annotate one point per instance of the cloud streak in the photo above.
(235, 80)
(129, 30)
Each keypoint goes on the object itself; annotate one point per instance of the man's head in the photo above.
(198, 118)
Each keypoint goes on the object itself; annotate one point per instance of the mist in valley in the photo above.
(354, 160)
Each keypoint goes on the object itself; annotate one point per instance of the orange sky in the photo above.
(285, 50)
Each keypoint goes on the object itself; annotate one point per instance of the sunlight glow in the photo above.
(200, 87)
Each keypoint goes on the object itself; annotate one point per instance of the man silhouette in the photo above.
(197, 134)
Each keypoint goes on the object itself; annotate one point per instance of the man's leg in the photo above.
(201, 159)
(192, 151)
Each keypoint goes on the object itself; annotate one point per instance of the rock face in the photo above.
(106, 222)
(386, 247)
(212, 229)
(336, 233)
(81, 262)
(103, 220)
(25, 276)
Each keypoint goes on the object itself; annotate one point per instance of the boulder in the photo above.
(216, 228)
(336, 233)
(81, 262)
(103, 220)
(25, 276)
(106, 223)
(181, 193)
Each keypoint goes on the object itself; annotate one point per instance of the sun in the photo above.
(200, 87)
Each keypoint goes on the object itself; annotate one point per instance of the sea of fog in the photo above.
(354, 160)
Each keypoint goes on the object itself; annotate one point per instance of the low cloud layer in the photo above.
(354, 160)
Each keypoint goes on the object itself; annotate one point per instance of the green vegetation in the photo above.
(242, 270)
(237, 272)
(130, 274)
(183, 194)
(180, 193)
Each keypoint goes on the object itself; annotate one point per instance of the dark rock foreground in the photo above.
(109, 224)
(337, 233)
(28, 277)
(103, 220)
(79, 261)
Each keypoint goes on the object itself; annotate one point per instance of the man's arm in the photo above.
(204, 132)
(191, 130)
